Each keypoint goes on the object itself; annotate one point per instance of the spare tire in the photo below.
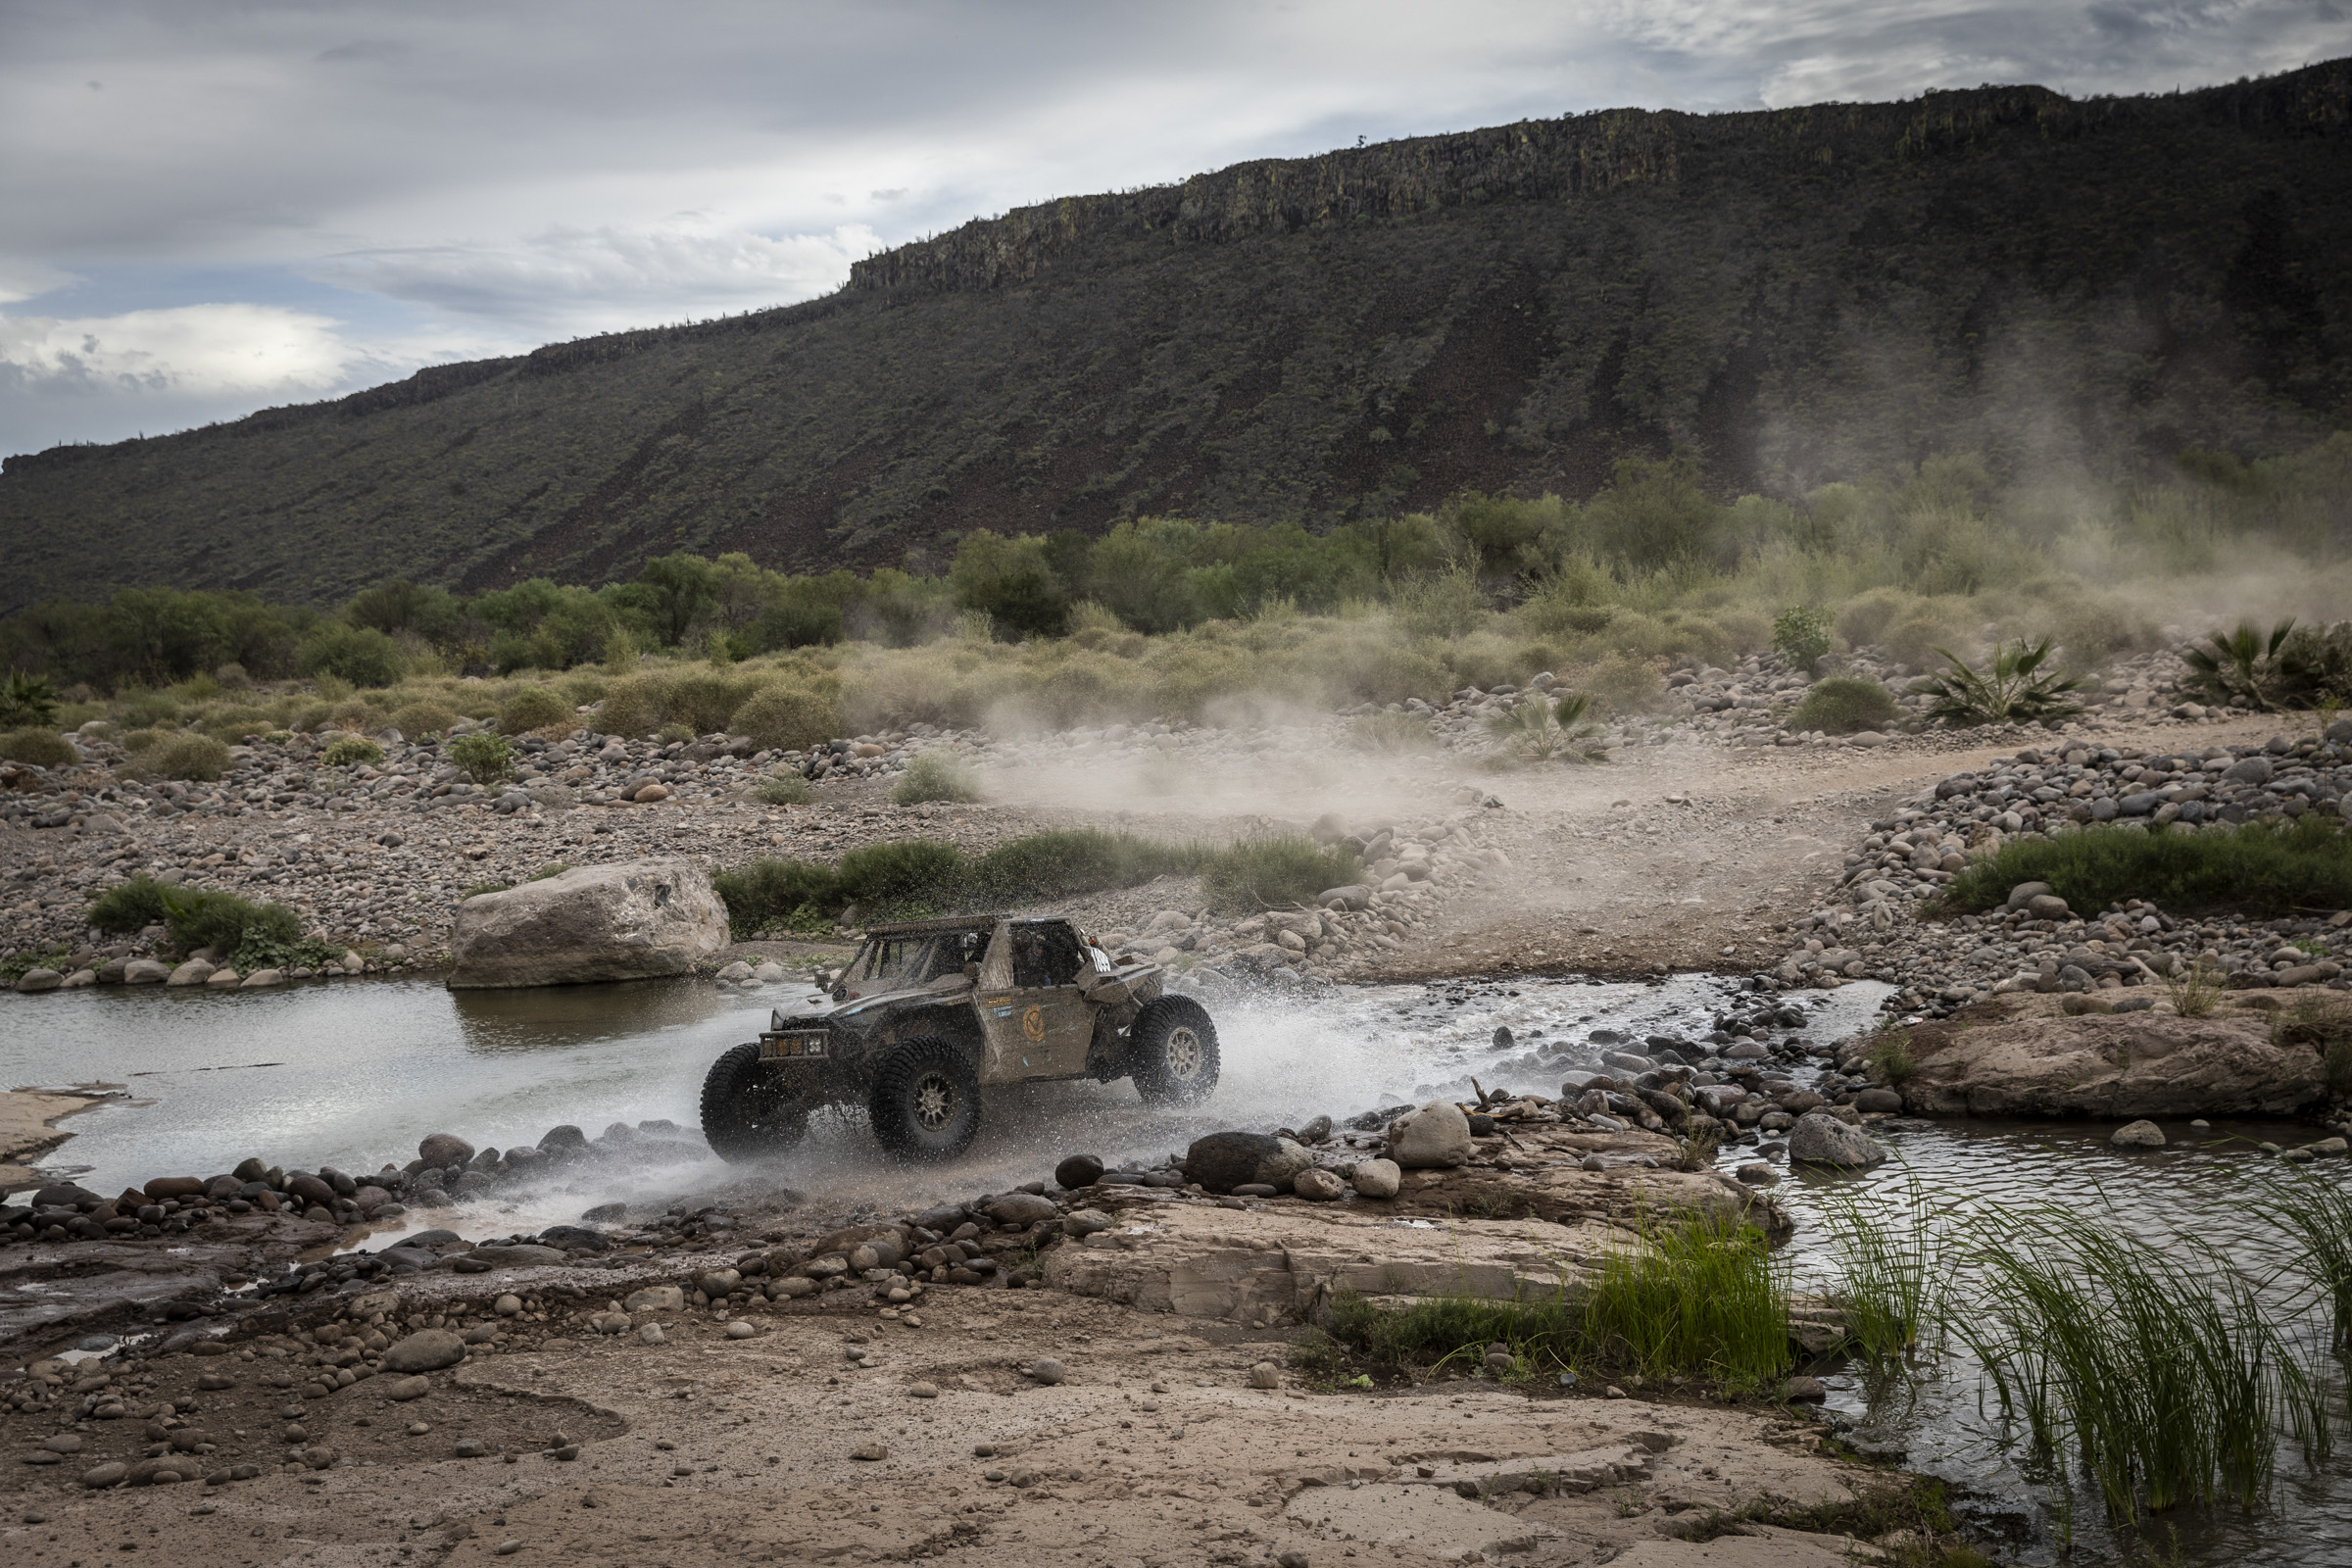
(748, 1114)
(1172, 1052)
(925, 1101)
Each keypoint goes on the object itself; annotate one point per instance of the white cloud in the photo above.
(584, 278)
(260, 350)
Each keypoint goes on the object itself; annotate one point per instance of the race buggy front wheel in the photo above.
(748, 1114)
(925, 1102)
(1173, 1047)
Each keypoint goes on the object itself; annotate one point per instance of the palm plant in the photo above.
(2242, 664)
(27, 699)
(1541, 728)
(2014, 689)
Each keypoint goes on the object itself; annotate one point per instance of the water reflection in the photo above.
(564, 1016)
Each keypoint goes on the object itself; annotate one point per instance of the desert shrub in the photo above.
(1801, 636)
(1540, 727)
(351, 748)
(1845, 706)
(358, 715)
(910, 876)
(2255, 869)
(212, 917)
(128, 907)
(1391, 734)
(789, 790)
(1625, 685)
(1272, 872)
(1915, 637)
(936, 776)
(785, 718)
(1447, 605)
(636, 705)
(483, 758)
(1065, 862)
(2097, 629)
(704, 698)
(422, 718)
(1865, 618)
(236, 723)
(768, 895)
(358, 655)
(309, 718)
(42, 748)
(185, 755)
(529, 707)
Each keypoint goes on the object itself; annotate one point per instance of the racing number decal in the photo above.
(1033, 1023)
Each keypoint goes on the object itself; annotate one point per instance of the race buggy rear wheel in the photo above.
(748, 1114)
(925, 1102)
(1174, 1048)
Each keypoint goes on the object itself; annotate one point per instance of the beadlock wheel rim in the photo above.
(934, 1102)
(1184, 1053)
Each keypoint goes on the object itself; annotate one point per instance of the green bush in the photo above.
(1068, 862)
(789, 790)
(531, 708)
(786, 718)
(185, 755)
(1801, 636)
(911, 876)
(419, 719)
(2257, 868)
(42, 748)
(483, 758)
(352, 749)
(198, 918)
(935, 776)
(266, 946)
(128, 907)
(1845, 706)
(1273, 872)
(362, 656)
(771, 895)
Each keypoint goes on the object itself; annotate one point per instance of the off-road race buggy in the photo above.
(932, 1011)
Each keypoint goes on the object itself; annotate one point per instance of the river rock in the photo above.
(2137, 1135)
(425, 1350)
(1318, 1186)
(146, 972)
(1021, 1208)
(1820, 1139)
(1085, 1222)
(1079, 1170)
(655, 1299)
(2116, 1066)
(100, 1477)
(440, 1151)
(1222, 1161)
(194, 972)
(35, 980)
(1377, 1178)
(1434, 1137)
(521, 1255)
(630, 920)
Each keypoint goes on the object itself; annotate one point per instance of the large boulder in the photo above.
(1436, 1137)
(1821, 1139)
(634, 920)
(2114, 1066)
(1222, 1161)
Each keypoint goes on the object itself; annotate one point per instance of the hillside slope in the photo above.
(1798, 296)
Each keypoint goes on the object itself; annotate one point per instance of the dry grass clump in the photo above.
(42, 748)
(183, 756)
(530, 708)
(422, 718)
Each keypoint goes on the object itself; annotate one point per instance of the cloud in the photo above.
(576, 279)
(233, 348)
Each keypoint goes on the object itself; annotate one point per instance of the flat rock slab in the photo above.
(1279, 1267)
(1769, 1546)
(1421, 1519)
(46, 1289)
(2116, 1066)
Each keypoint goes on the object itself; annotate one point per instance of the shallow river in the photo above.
(354, 1074)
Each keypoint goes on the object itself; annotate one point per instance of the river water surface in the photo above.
(353, 1074)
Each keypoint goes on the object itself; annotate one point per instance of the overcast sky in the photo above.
(208, 207)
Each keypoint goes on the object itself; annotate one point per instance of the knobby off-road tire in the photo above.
(1174, 1050)
(747, 1115)
(925, 1102)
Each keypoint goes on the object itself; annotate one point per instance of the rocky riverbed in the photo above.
(289, 1361)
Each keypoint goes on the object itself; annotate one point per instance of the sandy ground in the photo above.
(29, 1129)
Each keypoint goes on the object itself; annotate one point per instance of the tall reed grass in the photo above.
(1895, 1253)
(2154, 1371)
